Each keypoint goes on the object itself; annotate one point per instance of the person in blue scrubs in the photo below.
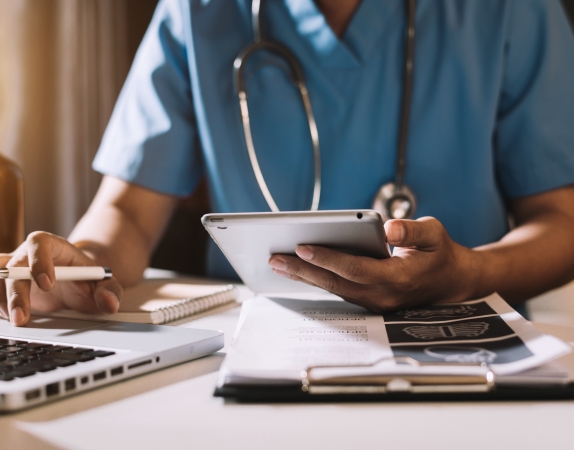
(491, 135)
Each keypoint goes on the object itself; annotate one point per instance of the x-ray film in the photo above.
(486, 328)
(482, 331)
(491, 352)
(441, 313)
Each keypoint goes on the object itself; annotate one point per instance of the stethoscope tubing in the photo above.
(407, 96)
(389, 194)
(298, 79)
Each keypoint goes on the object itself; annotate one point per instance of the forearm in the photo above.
(122, 227)
(110, 237)
(536, 256)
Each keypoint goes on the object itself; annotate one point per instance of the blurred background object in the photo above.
(11, 205)
(62, 65)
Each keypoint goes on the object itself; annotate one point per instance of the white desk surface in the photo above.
(174, 408)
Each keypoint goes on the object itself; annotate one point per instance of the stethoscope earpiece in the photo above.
(392, 202)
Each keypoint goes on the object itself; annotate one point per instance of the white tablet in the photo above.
(249, 239)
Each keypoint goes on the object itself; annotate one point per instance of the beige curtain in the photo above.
(62, 64)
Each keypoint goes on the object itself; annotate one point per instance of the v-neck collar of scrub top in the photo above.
(363, 32)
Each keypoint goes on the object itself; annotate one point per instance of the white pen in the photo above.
(72, 273)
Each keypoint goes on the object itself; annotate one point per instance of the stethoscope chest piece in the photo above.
(392, 202)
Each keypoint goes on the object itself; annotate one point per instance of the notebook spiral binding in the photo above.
(191, 306)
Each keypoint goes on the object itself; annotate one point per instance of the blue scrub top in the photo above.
(492, 110)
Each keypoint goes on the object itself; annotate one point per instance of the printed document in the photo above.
(277, 339)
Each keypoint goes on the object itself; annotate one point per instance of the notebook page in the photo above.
(150, 295)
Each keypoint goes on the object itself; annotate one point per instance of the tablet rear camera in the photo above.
(359, 215)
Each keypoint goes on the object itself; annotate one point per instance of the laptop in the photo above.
(52, 358)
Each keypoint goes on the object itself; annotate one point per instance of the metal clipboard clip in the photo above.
(416, 378)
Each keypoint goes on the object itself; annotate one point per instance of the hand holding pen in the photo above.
(63, 276)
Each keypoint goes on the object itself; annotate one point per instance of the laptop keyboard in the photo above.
(19, 359)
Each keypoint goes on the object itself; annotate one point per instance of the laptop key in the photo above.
(8, 342)
(35, 345)
(57, 348)
(8, 367)
(14, 362)
(31, 354)
(40, 366)
(71, 356)
(99, 353)
(77, 350)
(57, 362)
(21, 372)
(5, 377)
(10, 349)
(63, 355)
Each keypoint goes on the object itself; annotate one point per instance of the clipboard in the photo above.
(419, 387)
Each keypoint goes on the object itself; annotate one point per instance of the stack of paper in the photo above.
(278, 340)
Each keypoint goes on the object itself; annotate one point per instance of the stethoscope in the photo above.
(394, 200)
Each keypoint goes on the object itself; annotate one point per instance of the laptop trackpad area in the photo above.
(117, 335)
(45, 327)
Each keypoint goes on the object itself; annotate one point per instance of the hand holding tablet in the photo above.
(346, 253)
(248, 240)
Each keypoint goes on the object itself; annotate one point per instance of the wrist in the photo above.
(481, 274)
(464, 274)
(467, 274)
(93, 252)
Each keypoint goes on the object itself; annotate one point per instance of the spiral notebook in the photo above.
(160, 301)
